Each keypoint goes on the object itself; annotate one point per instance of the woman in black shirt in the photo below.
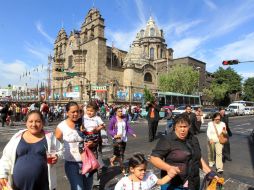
(180, 152)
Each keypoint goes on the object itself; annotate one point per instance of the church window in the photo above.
(148, 77)
(70, 61)
(60, 49)
(152, 31)
(92, 32)
(151, 53)
(69, 87)
(142, 33)
(56, 50)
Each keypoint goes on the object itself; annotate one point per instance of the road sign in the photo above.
(76, 89)
(99, 88)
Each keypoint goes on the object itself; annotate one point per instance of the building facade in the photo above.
(87, 64)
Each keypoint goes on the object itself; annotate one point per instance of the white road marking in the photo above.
(243, 124)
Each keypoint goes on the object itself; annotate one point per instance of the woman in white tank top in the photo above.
(67, 134)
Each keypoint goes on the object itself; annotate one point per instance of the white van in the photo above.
(247, 110)
(238, 108)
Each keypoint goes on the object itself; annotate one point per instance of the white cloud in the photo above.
(178, 28)
(38, 51)
(141, 12)
(186, 47)
(20, 73)
(10, 72)
(121, 40)
(40, 29)
(210, 4)
(242, 49)
(225, 21)
(246, 75)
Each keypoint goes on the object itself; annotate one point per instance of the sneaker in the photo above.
(219, 171)
(211, 164)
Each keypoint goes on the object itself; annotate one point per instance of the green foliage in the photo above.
(148, 96)
(216, 93)
(226, 82)
(229, 77)
(181, 78)
(248, 87)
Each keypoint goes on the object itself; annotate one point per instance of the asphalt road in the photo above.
(238, 174)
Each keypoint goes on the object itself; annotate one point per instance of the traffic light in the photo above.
(93, 93)
(88, 92)
(230, 62)
(59, 69)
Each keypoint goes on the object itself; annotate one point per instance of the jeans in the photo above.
(168, 126)
(170, 187)
(135, 117)
(169, 123)
(77, 180)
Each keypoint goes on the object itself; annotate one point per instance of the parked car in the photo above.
(229, 112)
(247, 110)
(238, 108)
(208, 112)
(179, 110)
(252, 110)
(144, 113)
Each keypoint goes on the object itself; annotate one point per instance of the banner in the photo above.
(72, 94)
(99, 88)
(137, 96)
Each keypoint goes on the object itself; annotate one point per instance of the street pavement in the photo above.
(238, 174)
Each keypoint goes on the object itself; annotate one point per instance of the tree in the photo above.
(181, 78)
(230, 77)
(148, 96)
(216, 93)
(226, 82)
(248, 88)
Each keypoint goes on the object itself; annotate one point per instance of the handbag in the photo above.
(89, 161)
(223, 137)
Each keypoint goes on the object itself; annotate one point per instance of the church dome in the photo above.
(151, 30)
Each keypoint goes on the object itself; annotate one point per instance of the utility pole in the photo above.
(49, 77)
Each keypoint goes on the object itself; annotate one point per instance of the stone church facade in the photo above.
(113, 74)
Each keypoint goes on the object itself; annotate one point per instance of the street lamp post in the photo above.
(198, 69)
(81, 91)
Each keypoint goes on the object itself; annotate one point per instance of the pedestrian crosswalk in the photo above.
(244, 128)
(8, 131)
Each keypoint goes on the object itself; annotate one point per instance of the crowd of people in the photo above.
(177, 154)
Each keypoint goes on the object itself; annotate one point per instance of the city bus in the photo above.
(174, 100)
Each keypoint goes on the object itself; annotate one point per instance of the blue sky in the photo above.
(209, 30)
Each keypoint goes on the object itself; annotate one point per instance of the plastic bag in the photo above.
(89, 161)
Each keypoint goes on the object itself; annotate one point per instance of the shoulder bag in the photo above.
(223, 137)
